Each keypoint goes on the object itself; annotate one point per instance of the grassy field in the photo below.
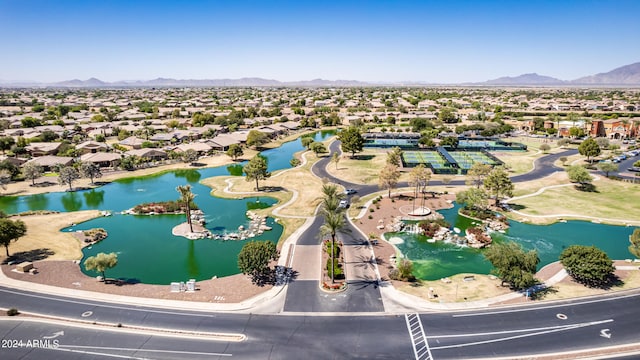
(44, 236)
(363, 169)
(568, 289)
(610, 200)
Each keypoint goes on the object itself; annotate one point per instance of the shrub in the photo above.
(337, 269)
(327, 249)
(370, 217)
(13, 312)
(371, 210)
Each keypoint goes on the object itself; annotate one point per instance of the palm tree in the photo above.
(333, 222)
(331, 198)
(186, 196)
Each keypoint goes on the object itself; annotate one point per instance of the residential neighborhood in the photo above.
(56, 127)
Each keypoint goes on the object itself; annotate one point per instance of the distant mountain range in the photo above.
(628, 75)
(166, 82)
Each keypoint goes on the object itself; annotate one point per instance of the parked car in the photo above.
(343, 204)
(350, 191)
(634, 168)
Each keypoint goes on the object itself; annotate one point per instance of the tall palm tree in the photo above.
(330, 198)
(186, 196)
(333, 222)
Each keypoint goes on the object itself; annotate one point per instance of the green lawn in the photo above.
(612, 200)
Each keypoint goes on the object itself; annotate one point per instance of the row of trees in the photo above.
(67, 174)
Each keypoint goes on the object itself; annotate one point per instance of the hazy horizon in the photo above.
(369, 41)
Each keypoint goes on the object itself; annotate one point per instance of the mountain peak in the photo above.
(525, 79)
(624, 75)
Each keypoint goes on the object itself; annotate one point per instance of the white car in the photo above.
(343, 204)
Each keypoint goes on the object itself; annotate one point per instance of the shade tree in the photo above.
(498, 184)
(101, 262)
(588, 265)
(254, 259)
(513, 265)
(351, 140)
(11, 230)
(256, 169)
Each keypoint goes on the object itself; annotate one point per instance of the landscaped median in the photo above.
(337, 262)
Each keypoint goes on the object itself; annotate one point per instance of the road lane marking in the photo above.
(418, 337)
(107, 305)
(521, 330)
(565, 328)
(79, 347)
(60, 333)
(605, 333)
(546, 307)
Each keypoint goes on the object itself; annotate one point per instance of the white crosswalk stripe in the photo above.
(418, 337)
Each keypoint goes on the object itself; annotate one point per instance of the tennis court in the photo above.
(429, 158)
(387, 143)
(466, 159)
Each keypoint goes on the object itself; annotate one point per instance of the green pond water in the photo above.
(147, 251)
(432, 261)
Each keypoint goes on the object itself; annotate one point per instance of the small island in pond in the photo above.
(161, 208)
(91, 236)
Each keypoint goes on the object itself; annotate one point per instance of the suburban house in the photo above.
(49, 162)
(222, 142)
(132, 142)
(199, 147)
(102, 159)
(92, 147)
(149, 154)
(43, 148)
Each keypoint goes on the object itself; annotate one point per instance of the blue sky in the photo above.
(431, 41)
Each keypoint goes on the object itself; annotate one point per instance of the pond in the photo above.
(148, 252)
(433, 261)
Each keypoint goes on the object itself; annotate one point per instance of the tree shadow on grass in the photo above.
(271, 188)
(610, 282)
(517, 207)
(364, 157)
(31, 256)
(587, 188)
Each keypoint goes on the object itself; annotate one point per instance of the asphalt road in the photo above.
(306, 296)
(499, 332)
